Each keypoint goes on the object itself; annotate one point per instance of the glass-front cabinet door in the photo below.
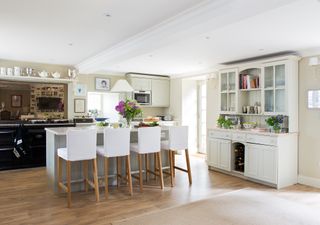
(228, 93)
(232, 81)
(224, 82)
(275, 89)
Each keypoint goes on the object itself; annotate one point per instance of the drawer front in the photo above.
(261, 139)
(220, 134)
(238, 137)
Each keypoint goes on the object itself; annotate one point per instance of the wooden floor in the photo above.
(25, 198)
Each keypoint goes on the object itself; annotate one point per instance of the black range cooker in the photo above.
(34, 142)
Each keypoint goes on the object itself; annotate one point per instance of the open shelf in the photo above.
(36, 79)
(251, 89)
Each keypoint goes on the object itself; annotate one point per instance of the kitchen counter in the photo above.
(250, 131)
(16, 123)
(60, 131)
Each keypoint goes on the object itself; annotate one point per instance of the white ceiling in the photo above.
(41, 30)
(177, 37)
(293, 27)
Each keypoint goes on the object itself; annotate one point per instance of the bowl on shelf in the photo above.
(56, 75)
(249, 125)
(100, 119)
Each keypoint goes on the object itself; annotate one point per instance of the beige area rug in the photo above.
(243, 207)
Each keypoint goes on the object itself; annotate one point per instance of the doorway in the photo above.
(202, 116)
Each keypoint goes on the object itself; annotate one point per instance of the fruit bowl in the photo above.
(249, 125)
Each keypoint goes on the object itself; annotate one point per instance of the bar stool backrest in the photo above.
(178, 137)
(81, 144)
(149, 139)
(116, 142)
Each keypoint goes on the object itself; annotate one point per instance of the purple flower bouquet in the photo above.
(128, 109)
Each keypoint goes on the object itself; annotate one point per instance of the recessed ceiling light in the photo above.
(107, 15)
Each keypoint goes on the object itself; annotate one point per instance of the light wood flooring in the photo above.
(25, 198)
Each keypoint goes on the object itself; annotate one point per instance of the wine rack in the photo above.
(238, 157)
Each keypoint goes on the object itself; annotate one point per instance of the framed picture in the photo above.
(16, 101)
(102, 84)
(314, 99)
(80, 90)
(79, 106)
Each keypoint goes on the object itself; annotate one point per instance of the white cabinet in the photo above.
(261, 163)
(269, 158)
(275, 99)
(225, 155)
(141, 84)
(160, 92)
(251, 161)
(159, 86)
(270, 85)
(219, 154)
(213, 152)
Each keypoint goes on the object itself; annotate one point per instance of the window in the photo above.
(105, 104)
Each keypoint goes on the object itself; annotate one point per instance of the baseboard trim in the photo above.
(309, 181)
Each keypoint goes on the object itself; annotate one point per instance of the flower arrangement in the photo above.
(275, 122)
(129, 109)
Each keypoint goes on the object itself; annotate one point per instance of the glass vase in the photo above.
(128, 120)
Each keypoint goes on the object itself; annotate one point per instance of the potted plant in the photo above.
(227, 124)
(220, 121)
(275, 122)
(128, 109)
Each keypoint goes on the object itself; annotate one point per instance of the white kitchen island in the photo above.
(56, 138)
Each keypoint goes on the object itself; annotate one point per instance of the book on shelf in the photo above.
(248, 81)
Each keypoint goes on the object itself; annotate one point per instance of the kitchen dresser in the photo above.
(254, 91)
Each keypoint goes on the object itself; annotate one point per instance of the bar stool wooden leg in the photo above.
(118, 171)
(69, 183)
(85, 175)
(95, 179)
(174, 163)
(59, 167)
(129, 175)
(160, 170)
(171, 167)
(155, 165)
(140, 172)
(106, 177)
(188, 166)
(147, 166)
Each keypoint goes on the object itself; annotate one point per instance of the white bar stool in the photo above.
(148, 142)
(81, 146)
(116, 144)
(178, 140)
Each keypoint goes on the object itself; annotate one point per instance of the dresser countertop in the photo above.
(251, 131)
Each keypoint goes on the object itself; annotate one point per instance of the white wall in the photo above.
(212, 102)
(175, 108)
(309, 125)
